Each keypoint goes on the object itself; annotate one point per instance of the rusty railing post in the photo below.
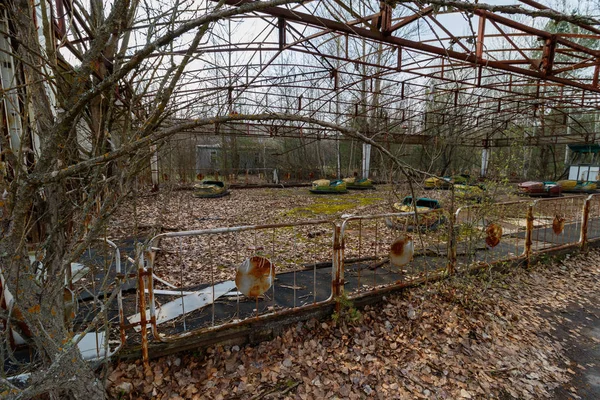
(529, 234)
(150, 255)
(585, 216)
(338, 265)
(119, 281)
(451, 267)
(142, 305)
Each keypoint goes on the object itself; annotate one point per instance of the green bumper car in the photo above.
(359, 184)
(325, 186)
(431, 215)
(470, 192)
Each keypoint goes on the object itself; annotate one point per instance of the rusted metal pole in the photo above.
(60, 18)
(119, 280)
(338, 265)
(149, 275)
(480, 38)
(142, 306)
(585, 215)
(451, 268)
(529, 234)
(149, 256)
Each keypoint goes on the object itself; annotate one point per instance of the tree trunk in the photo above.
(38, 289)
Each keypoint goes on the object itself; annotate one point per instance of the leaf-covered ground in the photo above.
(490, 336)
(179, 210)
(195, 260)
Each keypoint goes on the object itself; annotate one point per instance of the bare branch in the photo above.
(127, 149)
(506, 9)
(70, 115)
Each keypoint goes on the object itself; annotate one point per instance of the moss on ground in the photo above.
(333, 204)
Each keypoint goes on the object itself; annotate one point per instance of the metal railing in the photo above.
(368, 246)
(488, 233)
(557, 222)
(592, 229)
(105, 280)
(92, 300)
(202, 292)
(319, 262)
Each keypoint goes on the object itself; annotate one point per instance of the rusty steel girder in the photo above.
(464, 57)
(501, 70)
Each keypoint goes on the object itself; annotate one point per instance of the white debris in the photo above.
(185, 304)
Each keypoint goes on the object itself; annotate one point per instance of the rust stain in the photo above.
(260, 267)
(122, 324)
(493, 233)
(255, 276)
(401, 251)
(255, 291)
(558, 224)
(18, 315)
(150, 256)
(397, 248)
(20, 322)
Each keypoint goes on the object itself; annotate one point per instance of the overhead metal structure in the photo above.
(398, 71)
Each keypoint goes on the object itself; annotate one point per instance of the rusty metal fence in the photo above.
(489, 233)
(189, 282)
(195, 282)
(94, 300)
(369, 245)
(557, 222)
(592, 230)
(191, 279)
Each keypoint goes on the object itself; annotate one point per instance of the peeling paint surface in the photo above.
(493, 233)
(255, 276)
(402, 251)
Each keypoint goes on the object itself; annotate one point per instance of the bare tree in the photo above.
(90, 127)
(90, 123)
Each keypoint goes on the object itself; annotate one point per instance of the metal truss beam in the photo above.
(468, 58)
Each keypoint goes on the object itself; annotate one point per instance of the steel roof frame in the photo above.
(506, 73)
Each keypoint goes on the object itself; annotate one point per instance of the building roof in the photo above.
(585, 148)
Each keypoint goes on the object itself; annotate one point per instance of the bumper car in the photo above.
(572, 186)
(430, 214)
(210, 189)
(325, 186)
(359, 184)
(470, 192)
(462, 179)
(446, 182)
(539, 189)
(437, 183)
